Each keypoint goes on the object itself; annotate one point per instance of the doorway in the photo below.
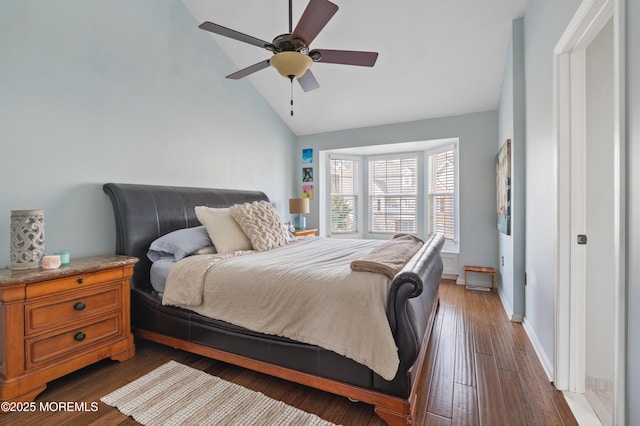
(588, 104)
(598, 252)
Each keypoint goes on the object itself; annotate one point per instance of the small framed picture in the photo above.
(307, 174)
(307, 191)
(307, 156)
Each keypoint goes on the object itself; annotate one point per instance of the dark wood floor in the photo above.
(482, 371)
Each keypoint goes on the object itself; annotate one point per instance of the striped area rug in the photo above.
(175, 394)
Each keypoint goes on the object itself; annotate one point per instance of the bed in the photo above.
(143, 213)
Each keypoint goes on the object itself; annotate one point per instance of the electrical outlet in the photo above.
(502, 260)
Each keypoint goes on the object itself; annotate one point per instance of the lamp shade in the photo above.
(298, 205)
(291, 63)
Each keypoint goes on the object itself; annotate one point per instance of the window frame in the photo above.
(367, 185)
(359, 197)
(451, 244)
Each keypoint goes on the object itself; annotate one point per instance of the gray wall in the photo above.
(511, 113)
(128, 91)
(633, 210)
(477, 135)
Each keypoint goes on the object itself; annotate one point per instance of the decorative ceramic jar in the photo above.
(27, 238)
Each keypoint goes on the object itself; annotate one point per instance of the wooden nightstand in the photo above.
(305, 232)
(53, 322)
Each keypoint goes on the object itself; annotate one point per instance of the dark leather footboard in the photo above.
(146, 212)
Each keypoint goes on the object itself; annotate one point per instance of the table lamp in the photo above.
(299, 206)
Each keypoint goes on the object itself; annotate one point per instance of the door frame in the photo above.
(570, 144)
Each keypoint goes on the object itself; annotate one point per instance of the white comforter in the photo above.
(305, 291)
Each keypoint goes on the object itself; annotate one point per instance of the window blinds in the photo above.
(344, 195)
(441, 193)
(392, 194)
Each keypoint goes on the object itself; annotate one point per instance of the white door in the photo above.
(588, 105)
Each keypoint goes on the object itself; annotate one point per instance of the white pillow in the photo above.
(224, 232)
(261, 223)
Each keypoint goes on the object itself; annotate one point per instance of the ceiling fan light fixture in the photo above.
(291, 63)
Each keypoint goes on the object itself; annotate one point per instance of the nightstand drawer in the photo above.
(75, 282)
(47, 348)
(78, 305)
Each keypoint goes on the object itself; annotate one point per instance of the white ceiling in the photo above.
(437, 58)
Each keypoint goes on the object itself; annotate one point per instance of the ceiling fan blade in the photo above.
(249, 70)
(344, 57)
(308, 81)
(227, 32)
(313, 20)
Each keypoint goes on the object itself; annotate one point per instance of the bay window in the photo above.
(375, 192)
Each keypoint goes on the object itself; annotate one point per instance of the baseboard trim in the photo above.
(537, 346)
(507, 308)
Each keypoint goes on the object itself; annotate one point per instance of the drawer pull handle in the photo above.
(80, 280)
(79, 336)
(79, 306)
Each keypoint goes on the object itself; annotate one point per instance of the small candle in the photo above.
(65, 257)
(50, 262)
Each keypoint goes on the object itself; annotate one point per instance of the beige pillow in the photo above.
(261, 223)
(224, 232)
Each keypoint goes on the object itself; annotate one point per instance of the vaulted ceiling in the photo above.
(436, 58)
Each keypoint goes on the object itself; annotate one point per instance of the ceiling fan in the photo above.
(292, 56)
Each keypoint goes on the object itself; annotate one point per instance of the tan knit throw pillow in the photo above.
(261, 223)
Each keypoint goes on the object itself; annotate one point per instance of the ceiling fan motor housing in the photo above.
(283, 43)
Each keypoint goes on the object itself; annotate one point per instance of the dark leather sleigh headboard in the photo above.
(146, 212)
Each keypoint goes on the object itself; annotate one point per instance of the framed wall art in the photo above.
(503, 187)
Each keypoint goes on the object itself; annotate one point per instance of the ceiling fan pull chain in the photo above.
(291, 78)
